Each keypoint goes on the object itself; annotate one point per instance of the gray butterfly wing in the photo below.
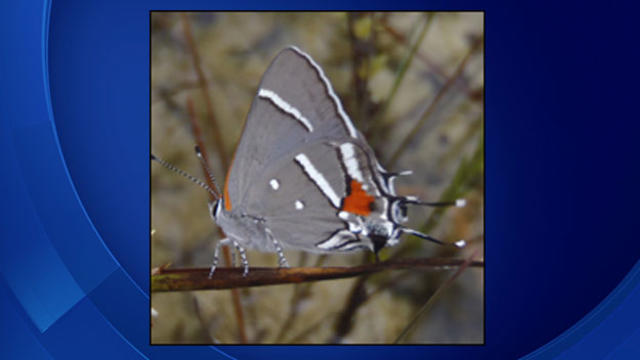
(295, 105)
(297, 210)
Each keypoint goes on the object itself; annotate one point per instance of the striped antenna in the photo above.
(208, 171)
(194, 179)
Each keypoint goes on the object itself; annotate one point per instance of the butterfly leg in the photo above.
(282, 261)
(234, 255)
(243, 258)
(216, 254)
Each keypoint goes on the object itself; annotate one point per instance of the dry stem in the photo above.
(231, 278)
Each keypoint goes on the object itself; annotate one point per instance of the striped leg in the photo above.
(216, 254)
(234, 255)
(243, 258)
(282, 260)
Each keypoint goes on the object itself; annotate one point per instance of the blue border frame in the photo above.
(560, 144)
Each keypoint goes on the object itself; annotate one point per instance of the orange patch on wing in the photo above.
(358, 202)
(225, 194)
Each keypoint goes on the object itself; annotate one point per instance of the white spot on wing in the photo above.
(299, 205)
(284, 106)
(318, 179)
(275, 184)
(345, 118)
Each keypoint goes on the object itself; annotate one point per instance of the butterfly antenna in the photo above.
(184, 173)
(459, 244)
(208, 171)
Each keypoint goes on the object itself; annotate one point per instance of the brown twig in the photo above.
(204, 323)
(430, 109)
(356, 298)
(361, 47)
(231, 278)
(300, 292)
(427, 305)
(311, 328)
(339, 315)
(406, 63)
(197, 134)
(235, 296)
(433, 66)
(204, 86)
(401, 38)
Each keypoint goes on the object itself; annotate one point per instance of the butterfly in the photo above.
(303, 177)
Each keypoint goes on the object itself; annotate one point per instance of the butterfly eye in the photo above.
(403, 210)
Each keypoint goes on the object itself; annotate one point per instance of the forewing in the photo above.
(294, 105)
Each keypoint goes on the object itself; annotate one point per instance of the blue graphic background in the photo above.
(562, 274)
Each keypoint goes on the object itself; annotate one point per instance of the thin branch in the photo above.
(356, 298)
(204, 86)
(433, 66)
(406, 63)
(469, 169)
(427, 305)
(231, 278)
(235, 296)
(362, 39)
(430, 109)
(455, 151)
(300, 292)
(197, 134)
(437, 69)
(312, 328)
(204, 323)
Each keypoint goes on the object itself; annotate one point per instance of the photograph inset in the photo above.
(318, 178)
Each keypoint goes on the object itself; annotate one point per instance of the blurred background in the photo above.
(413, 83)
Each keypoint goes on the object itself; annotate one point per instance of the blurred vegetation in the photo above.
(413, 83)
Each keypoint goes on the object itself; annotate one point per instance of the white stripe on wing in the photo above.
(319, 179)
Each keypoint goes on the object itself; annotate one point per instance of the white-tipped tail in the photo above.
(461, 203)
(460, 244)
